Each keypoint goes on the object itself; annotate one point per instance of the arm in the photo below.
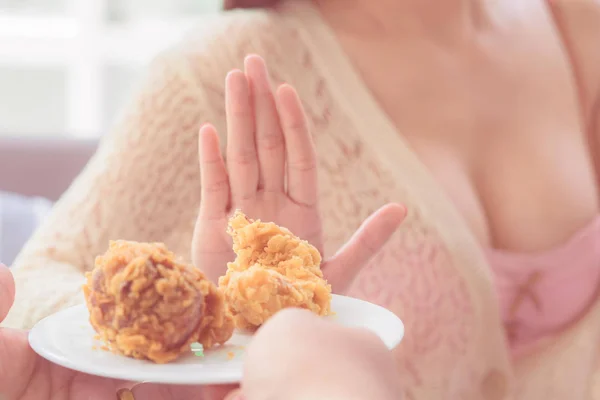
(142, 184)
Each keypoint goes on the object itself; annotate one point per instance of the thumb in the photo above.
(366, 242)
(7, 291)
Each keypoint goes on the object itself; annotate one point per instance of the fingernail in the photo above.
(204, 128)
(402, 207)
(257, 69)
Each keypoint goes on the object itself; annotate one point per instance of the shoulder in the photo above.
(579, 24)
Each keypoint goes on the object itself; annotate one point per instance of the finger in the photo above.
(214, 181)
(269, 137)
(7, 291)
(16, 362)
(300, 149)
(373, 234)
(242, 159)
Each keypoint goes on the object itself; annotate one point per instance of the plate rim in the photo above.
(234, 375)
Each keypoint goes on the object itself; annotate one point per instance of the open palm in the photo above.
(271, 174)
(271, 167)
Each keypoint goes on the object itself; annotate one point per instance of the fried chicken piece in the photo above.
(273, 270)
(146, 304)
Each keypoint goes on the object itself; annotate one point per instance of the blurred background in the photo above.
(66, 66)
(66, 69)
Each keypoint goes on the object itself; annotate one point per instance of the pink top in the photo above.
(542, 293)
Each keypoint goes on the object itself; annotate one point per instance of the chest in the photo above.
(499, 125)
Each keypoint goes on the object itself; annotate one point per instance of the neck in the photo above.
(441, 18)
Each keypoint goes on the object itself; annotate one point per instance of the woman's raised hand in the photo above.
(270, 173)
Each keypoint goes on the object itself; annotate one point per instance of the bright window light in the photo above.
(80, 58)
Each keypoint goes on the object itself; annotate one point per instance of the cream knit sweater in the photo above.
(143, 184)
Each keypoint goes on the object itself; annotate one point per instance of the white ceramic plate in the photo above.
(67, 338)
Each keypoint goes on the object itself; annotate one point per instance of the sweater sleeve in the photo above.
(142, 184)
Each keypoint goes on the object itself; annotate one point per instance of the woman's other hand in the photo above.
(271, 174)
(297, 355)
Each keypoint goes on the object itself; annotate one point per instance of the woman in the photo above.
(478, 115)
